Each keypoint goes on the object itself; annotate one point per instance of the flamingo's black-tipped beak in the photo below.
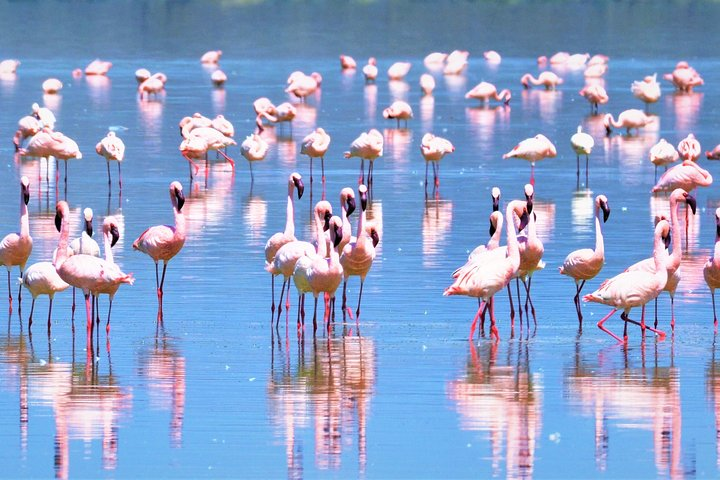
(327, 217)
(180, 199)
(337, 234)
(375, 237)
(496, 204)
(529, 204)
(524, 219)
(493, 228)
(351, 205)
(26, 194)
(115, 235)
(300, 187)
(608, 131)
(58, 220)
(89, 229)
(363, 200)
(692, 201)
(717, 230)
(667, 240)
(606, 211)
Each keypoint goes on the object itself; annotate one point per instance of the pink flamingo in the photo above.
(584, 264)
(456, 62)
(285, 113)
(112, 148)
(315, 145)
(485, 91)
(532, 150)
(358, 256)
(316, 273)
(689, 148)
(264, 109)
(427, 83)
(218, 78)
(434, 60)
(45, 115)
(27, 127)
(398, 70)
(254, 148)
(88, 273)
(647, 90)
(369, 145)
(370, 71)
(433, 150)
(531, 253)
(15, 248)
(215, 141)
(223, 125)
(548, 79)
(673, 263)
(711, 270)
(635, 288)
(491, 56)
(142, 74)
(596, 95)
(48, 143)
(484, 282)
(98, 67)
(279, 239)
(628, 119)
(302, 85)
(52, 85)
(347, 62)
(163, 242)
(211, 57)
(582, 144)
(193, 148)
(399, 110)
(41, 278)
(347, 207)
(9, 66)
(111, 234)
(155, 85)
(684, 77)
(188, 124)
(663, 154)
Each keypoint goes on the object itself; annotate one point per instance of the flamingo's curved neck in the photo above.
(24, 217)
(676, 254)
(599, 242)
(179, 221)
(321, 243)
(512, 243)
(62, 247)
(290, 215)
(660, 256)
(108, 248)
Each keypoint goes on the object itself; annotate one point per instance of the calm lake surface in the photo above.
(214, 391)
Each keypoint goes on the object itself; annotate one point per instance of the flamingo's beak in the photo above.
(524, 219)
(338, 234)
(115, 234)
(606, 211)
(375, 237)
(667, 239)
(26, 193)
(351, 205)
(496, 204)
(363, 200)
(692, 201)
(58, 220)
(493, 228)
(300, 187)
(180, 199)
(328, 216)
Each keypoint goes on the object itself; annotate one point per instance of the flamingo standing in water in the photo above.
(48, 143)
(433, 150)
(689, 148)
(584, 264)
(315, 145)
(399, 110)
(44, 115)
(673, 263)
(369, 145)
(628, 119)
(163, 242)
(663, 154)
(635, 288)
(27, 127)
(215, 140)
(98, 67)
(647, 90)
(531, 253)
(15, 248)
(711, 270)
(493, 276)
(548, 79)
(370, 71)
(279, 239)
(398, 70)
(211, 57)
(254, 148)
(357, 257)
(347, 207)
(111, 234)
(347, 62)
(485, 91)
(427, 83)
(41, 278)
(684, 77)
(532, 150)
(582, 143)
(596, 95)
(89, 273)
(84, 244)
(112, 148)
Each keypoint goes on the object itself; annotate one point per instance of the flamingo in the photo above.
(595, 71)
(142, 74)
(485, 91)
(369, 145)
(427, 83)
(347, 62)
(279, 239)
(595, 94)
(688, 175)
(211, 57)
(398, 70)
(713, 154)
(155, 85)
(223, 125)
(15, 248)
(663, 154)
(111, 235)
(163, 242)
(98, 67)
(285, 112)
(358, 256)
(491, 56)
(27, 127)
(456, 62)
(711, 269)
(433, 150)
(264, 108)
(48, 143)
(45, 115)
(84, 244)
(689, 148)
(399, 110)
(532, 150)
(302, 85)
(493, 276)
(347, 207)
(52, 85)
(582, 143)
(548, 79)
(193, 148)
(287, 256)
(188, 124)
(628, 119)
(112, 148)
(370, 71)
(41, 278)
(434, 59)
(91, 274)
(316, 273)
(684, 77)
(315, 145)
(254, 148)
(673, 263)
(531, 253)
(9, 66)
(218, 78)
(647, 90)
(635, 288)
(215, 140)
(584, 264)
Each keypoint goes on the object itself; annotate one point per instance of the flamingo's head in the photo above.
(176, 194)
(494, 218)
(495, 193)
(529, 197)
(375, 236)
(25, 189)
(296, 180)
(601, 202)
(336, 230)
(88, 216)
(681, 195)
(110, 226)
(61, 211)
(347, 198)
(362, 190)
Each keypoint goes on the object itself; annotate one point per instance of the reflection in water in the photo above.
(255, 217)
(305, 120)
(503, 399)
(544, 101)
(632, 154)
(218, 101)
(206, 209)
(630, 397)
(397, 145)
(287, 150)
(163, 366)
(437, 220)
(370, 102)
(332, 391)
(687, 107)
(151, 113)
(713, 392)
(427, 111)
(582, 208)
(456, 85)
(99, 89)
(398, 90)
(545, 218)
(86, 404)
(45, 234)
(660, 206)
(483, 120)
(53, 101)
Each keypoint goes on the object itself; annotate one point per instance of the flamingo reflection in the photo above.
(436, 225)
(502, 399)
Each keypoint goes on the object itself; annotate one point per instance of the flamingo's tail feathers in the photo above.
(129, 279)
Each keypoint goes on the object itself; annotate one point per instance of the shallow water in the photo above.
(214, 391)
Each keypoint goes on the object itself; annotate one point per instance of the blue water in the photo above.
(214, 391)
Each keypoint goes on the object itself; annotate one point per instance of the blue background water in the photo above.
(214, 393)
